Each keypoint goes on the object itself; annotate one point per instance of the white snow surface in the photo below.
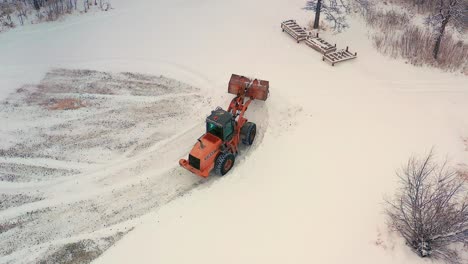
(311, 190)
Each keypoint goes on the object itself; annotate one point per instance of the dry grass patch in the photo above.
(65, 104)
(395, 36)
(464, 174)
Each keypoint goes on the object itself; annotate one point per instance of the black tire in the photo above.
(224, 163)
(248, 133)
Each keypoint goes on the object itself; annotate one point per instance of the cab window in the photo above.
(228, 130)
(214, 129)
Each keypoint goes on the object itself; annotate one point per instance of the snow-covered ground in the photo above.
(311, 188)
(75, 157)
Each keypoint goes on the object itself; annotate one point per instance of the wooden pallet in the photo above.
(294, 30)
(320, 44)
(339, 56)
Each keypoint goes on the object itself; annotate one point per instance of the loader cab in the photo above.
(220, 124)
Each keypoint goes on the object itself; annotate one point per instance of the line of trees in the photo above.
(440, 13)
(43, 9)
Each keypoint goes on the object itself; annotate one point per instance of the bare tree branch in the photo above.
(430, 209)
(447, 11)
(335, 11)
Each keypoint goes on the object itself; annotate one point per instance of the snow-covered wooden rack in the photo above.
(293, 29)
(320, 44)
(339, 56)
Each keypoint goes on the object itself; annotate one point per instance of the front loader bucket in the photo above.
(252, 88)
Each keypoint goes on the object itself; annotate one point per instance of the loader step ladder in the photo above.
(294, 30)
(339, 56)
(320, 44)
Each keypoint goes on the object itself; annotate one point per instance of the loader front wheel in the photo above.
(224, 163)
(248, 133)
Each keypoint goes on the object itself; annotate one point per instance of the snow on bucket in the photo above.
(253, 88)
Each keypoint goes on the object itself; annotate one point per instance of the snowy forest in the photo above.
(424, 32)
(20, 12)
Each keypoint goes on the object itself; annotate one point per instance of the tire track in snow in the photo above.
(110, 196)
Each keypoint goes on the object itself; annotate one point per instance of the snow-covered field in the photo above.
(309, 190)
(75, 157)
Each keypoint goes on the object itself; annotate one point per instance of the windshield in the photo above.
(214, 129)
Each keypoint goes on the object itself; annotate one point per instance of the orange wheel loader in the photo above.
(218, 147)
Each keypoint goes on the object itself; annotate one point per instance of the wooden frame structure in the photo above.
(320, 44)
(294, 30)
(339, 56)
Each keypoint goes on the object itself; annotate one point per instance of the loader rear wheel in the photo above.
(224, 163)
(248, 133)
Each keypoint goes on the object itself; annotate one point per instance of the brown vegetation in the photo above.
(463, 174)
(415, 45)
(65, 104)
(397, 37)
(420, 6)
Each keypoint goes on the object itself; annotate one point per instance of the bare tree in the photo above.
(447, 11)
(363, 6)
(430, 209)
(21, 11)
(334, 10)
(6, 10)
(104, 5)
(86, 5)
(37, 4)
(318, 8)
